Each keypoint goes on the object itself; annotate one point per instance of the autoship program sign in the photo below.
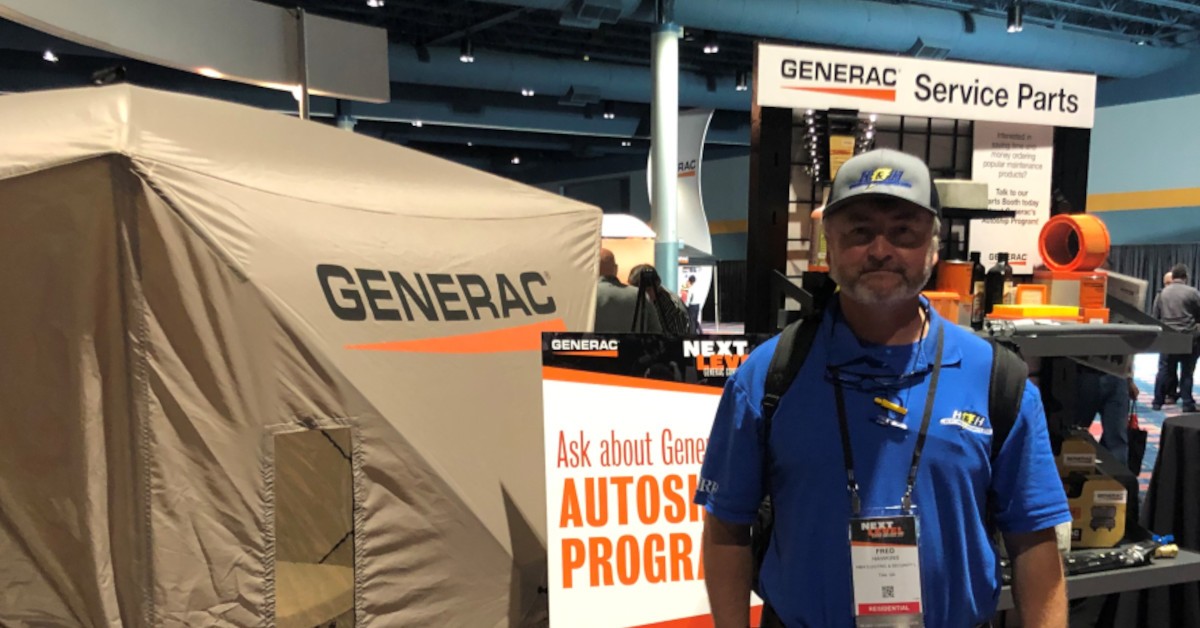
(627, 420)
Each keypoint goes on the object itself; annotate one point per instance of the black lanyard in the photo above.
(848, 453)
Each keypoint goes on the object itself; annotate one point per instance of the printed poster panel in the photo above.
(627, 420)
(1016, 161)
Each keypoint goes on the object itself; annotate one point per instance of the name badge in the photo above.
(886, 567)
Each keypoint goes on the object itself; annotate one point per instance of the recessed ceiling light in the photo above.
(50, 56)
(375, 4)
(525, 91)
(516, 160)
(626, 143)
(418, 123)
(211, 73)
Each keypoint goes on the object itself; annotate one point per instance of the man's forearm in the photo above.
(1039, 587)
(728, 567)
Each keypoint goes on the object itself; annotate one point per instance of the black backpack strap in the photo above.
(1005, 392)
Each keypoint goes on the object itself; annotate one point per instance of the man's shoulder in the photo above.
(614, 289)
(972, 347)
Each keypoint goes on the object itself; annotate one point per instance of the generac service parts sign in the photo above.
(798, 78)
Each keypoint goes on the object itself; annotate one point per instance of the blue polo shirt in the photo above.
(806, 574)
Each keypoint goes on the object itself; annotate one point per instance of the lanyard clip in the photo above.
(906, 502)
(855, 501)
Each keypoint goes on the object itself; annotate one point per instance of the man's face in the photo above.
(881, 251)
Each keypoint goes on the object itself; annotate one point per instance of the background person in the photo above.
(1178, 307)
(672, 313)
(616, 302)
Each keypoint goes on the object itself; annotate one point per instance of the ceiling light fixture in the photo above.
(626, 143)
(50, 56)
(525, 91)
(209, 72)
(610, 112)
(711, 46)
(418, 123)
(1015, 17)
(516, 160)
(743, 83)
(466, 52)
(375, 4)
(470, 144)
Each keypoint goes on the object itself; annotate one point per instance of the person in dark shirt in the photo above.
(1178, 307)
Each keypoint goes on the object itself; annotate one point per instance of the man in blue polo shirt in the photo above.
(869, 529)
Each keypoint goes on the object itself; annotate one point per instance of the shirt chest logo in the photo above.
(969, 421)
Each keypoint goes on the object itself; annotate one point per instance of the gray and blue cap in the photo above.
(883, 173)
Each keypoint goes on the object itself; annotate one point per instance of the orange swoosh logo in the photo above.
(689, 173)
(873, 94)
(505, 340)
(589, 354)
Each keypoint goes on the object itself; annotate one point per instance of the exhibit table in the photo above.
(1160, 573)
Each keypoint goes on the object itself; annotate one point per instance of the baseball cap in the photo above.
(883, 173)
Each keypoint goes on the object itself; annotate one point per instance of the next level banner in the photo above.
(627, 420)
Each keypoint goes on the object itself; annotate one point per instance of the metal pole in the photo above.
(302, 63)
(716, 296)
(664, 153)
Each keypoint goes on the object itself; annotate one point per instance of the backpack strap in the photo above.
(1005, 392)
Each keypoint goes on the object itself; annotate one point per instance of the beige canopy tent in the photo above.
(261, 371)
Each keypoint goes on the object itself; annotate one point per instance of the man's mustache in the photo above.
(883, 268)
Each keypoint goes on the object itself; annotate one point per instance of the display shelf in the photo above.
(1081, 340)
(1159, 573)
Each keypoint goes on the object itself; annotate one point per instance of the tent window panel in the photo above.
(314, 529)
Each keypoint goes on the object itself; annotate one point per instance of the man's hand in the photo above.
(1039, 586)
(1133, 389)
(728, 567)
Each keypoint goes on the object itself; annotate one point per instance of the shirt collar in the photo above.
(848, 352)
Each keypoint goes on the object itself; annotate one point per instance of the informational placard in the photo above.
(1015, 160)
(814, 78)
(627, 421)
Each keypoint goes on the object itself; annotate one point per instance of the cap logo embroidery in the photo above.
(881, 176)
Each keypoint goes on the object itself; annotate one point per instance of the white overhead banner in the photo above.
(1015, 160)
(799, 78)
(691, 223)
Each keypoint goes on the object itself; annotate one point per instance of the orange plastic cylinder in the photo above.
(1074, 243)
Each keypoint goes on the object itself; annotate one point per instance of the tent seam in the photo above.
(269, 571)
(140, 387)
(582, 207)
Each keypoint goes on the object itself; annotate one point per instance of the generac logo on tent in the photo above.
(386, 295)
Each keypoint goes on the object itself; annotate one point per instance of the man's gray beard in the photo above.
(866, 296)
